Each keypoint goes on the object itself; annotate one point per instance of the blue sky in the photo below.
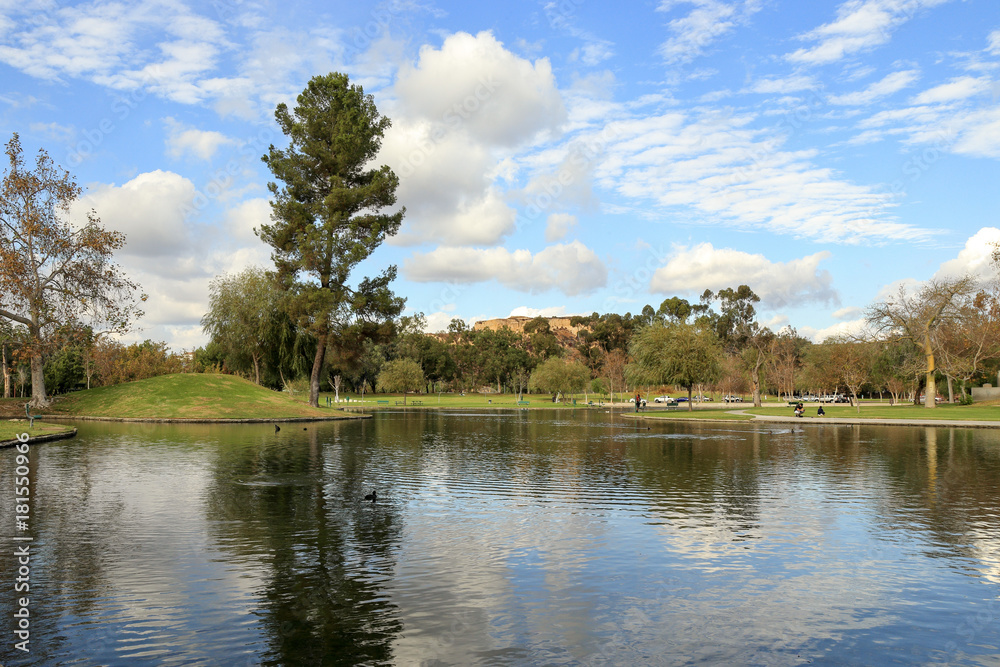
(554, 157)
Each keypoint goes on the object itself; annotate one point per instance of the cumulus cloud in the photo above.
(848, 329)
(558, 225)
(172, 258)
(200, 143)
(473, 82)
(975, 259)
(149, 210)
(778, 284)
(571, 268)
(458, 112)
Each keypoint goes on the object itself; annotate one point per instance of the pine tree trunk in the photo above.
(317, 367)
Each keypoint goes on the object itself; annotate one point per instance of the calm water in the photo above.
(509, 539)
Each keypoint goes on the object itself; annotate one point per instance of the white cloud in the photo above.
(955, 90)
(149, 210)
(709, 20)
(570, 268)
(551, 311)
(975, 259)
(846, 329)
(558, 225)
(860, 25)
(458, 113)
(892, 83)
(849, 313)
(474, 83)
(718, 170)
(202, 144)
(783, 86)
(994, 45)
(778, 284)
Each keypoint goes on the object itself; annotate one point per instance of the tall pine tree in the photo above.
(326, 216)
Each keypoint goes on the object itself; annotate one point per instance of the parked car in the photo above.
(682, 399)
(732, 399)
(665, 399)
(702, 398)
(642, 401)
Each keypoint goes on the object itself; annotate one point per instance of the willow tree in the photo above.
(327, 216)
(675, 354)
(54, 271)
(242, 317)
(917, 318)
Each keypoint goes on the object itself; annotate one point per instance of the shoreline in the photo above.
(203, 420)
(65, 435)
(839, 421)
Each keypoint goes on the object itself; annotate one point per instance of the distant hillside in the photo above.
(517, 323)
(187, 396)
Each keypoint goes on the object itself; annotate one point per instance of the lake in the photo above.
(507, 538)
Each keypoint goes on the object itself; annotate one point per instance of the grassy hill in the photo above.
(187, 396)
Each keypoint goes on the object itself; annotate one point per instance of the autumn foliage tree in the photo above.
(55, 271)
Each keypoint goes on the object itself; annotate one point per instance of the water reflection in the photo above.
(511, 538)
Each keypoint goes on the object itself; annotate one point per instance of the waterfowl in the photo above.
(276, 428)
(372, 496)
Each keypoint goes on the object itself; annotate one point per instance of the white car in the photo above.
(665, 399)
(732, 399)
(641, 401)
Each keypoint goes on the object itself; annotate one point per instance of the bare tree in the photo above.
(974, 337)
(918, 317)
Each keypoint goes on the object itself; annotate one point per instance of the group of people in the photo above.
(801, 410)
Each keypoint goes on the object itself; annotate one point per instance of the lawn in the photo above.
(943, 411)
(188, 396)
(9, 430)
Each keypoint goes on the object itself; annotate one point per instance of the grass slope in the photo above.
(187, 396)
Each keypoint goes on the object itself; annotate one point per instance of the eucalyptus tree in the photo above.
(739, 331)
(328, 214)
(54, 271)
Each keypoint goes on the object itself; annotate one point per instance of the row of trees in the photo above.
(62, 299)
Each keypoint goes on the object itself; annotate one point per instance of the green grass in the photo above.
(9, 430)
(456, 400)
(187, 396)
(884, 411)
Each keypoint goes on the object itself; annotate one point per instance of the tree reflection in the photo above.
(292, 502)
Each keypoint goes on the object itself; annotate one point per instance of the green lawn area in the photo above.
(9, 430)
(188, 396)
(456, 400)
(943, 411)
